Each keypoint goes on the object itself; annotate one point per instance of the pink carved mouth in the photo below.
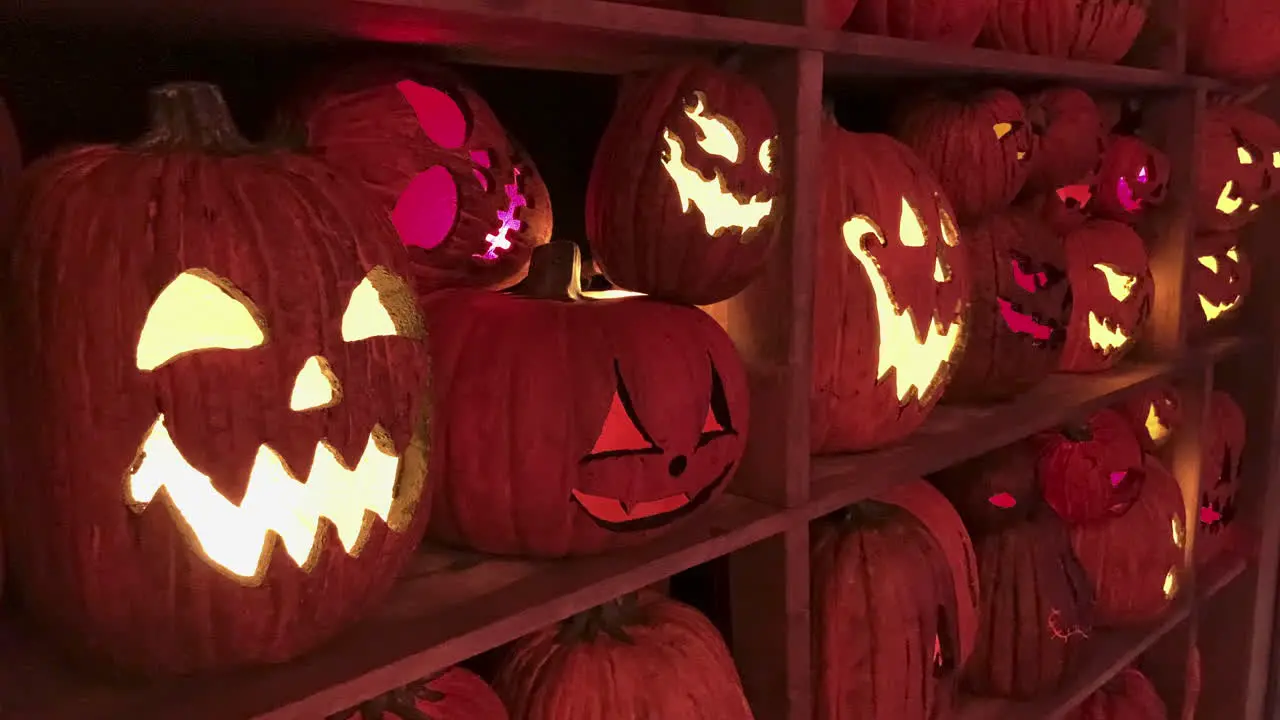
(1023, 324)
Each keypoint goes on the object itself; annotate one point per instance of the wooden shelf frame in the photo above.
(452, 605)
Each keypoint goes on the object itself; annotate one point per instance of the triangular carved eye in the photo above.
(718, 422)
(622, 432)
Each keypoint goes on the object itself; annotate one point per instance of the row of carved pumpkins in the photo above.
(1226, 38)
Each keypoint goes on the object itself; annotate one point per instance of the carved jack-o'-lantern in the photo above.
(683, 198)
(242, 389)
(1092, 470)
(1220, 279)
(1112, 286)
(1067, 126)
(1238, 169)
(993, 490)
(468, 203)
(895, 286)
(1134, 176)
(1154, 413)
(644, 421)
(1221, 451)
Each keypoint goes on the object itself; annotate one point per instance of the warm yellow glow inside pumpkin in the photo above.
(720, 135)
(1157, 431)
(1002, 129)
(765, 157)
(1228, 204)
(197, 311)
(315, 387)
(917, 362)
(1233, 254)
(1245, 157)
(1119, 284)
(1275, 159)
(239, 539)
(721, 208)
(1105, 337)
(1210, 262)
(1179, 532)
(1171, 584)
(1212, 311)
(382, 304)
(1253, 207)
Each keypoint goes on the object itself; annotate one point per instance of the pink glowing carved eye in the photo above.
(1117, 478)
(428, 209)
(438, 115)
(1003, 500)
(1142, 174)
(1029, 281)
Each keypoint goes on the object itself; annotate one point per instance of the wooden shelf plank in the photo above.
(449, 606)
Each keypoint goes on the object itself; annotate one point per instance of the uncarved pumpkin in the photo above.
(1134, 177)
(950, 22)
(1112, 289)
(570, 426)
(1099, 30)
(1069, 136)
(979, 148)
(994, 490)
(635, 658)
(890, 271)
(1222, 449)
(1135, 560)
(467, 201)
(683, 200)
(1127, 696)
(246, 312)
(1019, 307)
(455, 694)
(1238, 167)
(1092, 470)
(1154, 413)
(1233, 38)
(1220, 280)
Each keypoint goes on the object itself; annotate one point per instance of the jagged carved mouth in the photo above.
(1105, 334)
(1042, 332)
(611, 514)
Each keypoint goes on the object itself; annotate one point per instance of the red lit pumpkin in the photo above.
(1112, 289)
(886, 605)
(1019, 309)
(641, 410)
(1035, 611)
(894, 285)
(1222, 449)
(468, 203)
(455, 694)
(1154, 413)
(1134, 177)
(1220, 278)
(255, 331)
(1091, 471)
(1061, 209)
(1069, 136)
(1238, 167)
(994, 490)
(1127, 696)
(950, 22)
(1099, 30)
(1135, 560)
(683, 200)
(1233, 38)
(836, 12)
(636, 657)
(980, 149)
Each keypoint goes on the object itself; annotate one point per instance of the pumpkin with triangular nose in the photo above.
(569, 425)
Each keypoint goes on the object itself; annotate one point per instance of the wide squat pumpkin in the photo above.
(1091, 470)
(894, 284)
(1099, 30)
(1233, 38)
(569, 426)
(1035, 612)
(1069, 136)
(467, 202)
(226, 449)
(894, 616)
(635, 658)
(454, 694)
(950, 22)
(1134, 176)
(1154, 413)
(683, 199)
(1019, 310)
(1220, 279)
(1112, 288)
(995, 490)
(1238, 167)
(1135, 560)
(1221, 454)
(1127, 696)
(979, 148)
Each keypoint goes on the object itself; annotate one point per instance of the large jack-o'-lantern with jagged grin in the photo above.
(1238, 168)
(895, 286)
(1112, 285)
(231, 461)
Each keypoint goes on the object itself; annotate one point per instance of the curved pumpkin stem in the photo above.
(611, 618)
(192, 116)
(555, 273)
(399, 703)
(1077, 432)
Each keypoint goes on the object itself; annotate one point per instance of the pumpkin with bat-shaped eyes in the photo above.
(948, 22)
(641, 409)
(683, 200)
(1112, 288)
(993, 490)
(1098, 30)
(1127, 696)
(1090, 470)
(979, 148)
(1134, 176)
(1154, 413)
(1220, 278)
(467, 202)
(236, 408)
(1233, 39)
(894, 284)
(1221, 451)
(1018, 313)
(1067, 126)
(1238, 167)
(454, 694)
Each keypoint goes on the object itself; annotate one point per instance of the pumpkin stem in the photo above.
(1077, 432)
(555, 273)
(611, 618)
(192, 115)
(401, 702)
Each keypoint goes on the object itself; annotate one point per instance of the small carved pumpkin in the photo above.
(1220, 278)
(1154, 413)
(1099, 30)
(1222, 449)
(895, 284)
(1069, 136)
(467, 202)
(1134, 176)
(980, 149)
(947, 22)
(455, 694)
(1233, 39)
(1112, 288)
(1238, 167)
(1091, 471)
(1019, 309)
(641, 410)
(1127, 696)
(994, 490)
(683, 200)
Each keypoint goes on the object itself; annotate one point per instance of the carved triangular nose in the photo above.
(315, 387)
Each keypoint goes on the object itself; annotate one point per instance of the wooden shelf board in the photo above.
(1218, 574)
(448, 606)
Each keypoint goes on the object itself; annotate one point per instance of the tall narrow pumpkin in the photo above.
(242, 318)
(1100, 30)
(894, 284)
(683, 201)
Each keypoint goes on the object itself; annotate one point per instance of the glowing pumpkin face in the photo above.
(1154, 413)
(1221, 455)
(1107, 265)
(1133, 177)
(1220, 279)
(1238, 167)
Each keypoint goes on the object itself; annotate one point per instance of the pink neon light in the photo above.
(499, 241)
(1022, 324)
(1003, 500)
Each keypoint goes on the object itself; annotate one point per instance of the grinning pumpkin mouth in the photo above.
(1124, 193)
(1105, 334)
(1212, 311)
(1020, 323)
(613, 515)
(238, 538)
